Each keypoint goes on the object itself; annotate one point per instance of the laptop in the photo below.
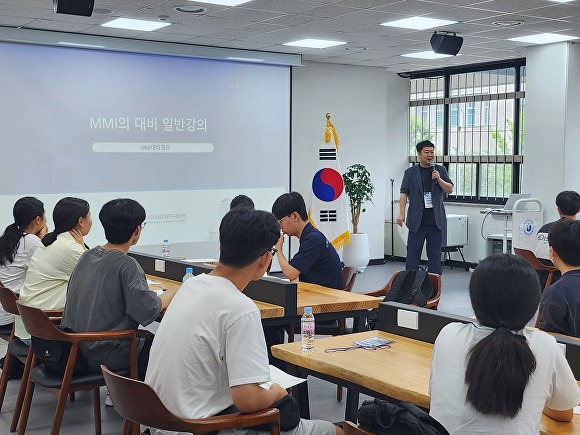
(509, 205)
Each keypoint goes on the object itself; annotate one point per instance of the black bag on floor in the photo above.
(408, 287)
(384, 418)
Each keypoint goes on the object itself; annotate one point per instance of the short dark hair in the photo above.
(242, 201)
(564, 238)
(424, 144)
(288, 203)
(505, 294)
(568, 202)
(245, 235)
(65, 216)
(120, 217)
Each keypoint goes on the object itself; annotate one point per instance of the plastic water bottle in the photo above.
(165, 249)
(307, 330)
(188, 274)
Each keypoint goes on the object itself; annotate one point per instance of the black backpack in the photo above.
(411, 287)
(408, 287)
(384, 418)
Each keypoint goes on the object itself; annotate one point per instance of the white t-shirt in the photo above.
(552, 384)
(48, 275)
(12, 275)
(210, 340)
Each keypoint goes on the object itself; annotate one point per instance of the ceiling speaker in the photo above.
(74, 7)
(445, 43)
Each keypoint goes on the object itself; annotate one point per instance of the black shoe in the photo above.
(146, 432)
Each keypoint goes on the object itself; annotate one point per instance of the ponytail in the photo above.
(25, 210)
(498, 371)
(9, 243)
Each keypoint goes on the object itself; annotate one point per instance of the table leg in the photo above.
(352, 398)
(359, 323)
(300, 391)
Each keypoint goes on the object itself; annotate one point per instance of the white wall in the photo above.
(369, 109)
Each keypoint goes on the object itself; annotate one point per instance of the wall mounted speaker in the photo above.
(74, 7)
(445, 43)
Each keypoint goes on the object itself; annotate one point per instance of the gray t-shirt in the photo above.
(108, 291)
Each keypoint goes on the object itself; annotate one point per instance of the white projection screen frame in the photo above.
(180, 135)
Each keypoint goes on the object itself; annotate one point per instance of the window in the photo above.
(481, 143)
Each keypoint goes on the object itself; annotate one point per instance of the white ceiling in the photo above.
(266, 24)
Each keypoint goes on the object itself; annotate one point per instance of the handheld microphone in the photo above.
(432, 164)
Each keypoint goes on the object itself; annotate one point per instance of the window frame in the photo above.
(451, 112)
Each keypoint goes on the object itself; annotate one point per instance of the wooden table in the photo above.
(400, 372)
(267, 311)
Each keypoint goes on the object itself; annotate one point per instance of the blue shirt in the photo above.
(560, 305)
(317, 260)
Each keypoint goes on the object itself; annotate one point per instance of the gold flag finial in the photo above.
(330, 131)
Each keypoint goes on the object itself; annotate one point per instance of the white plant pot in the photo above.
(356, 253)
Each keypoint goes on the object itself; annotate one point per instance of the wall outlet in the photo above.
(159, 266)
(408, 319)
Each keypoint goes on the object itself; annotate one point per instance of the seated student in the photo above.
(243, 201)
(18, 243)
(200, 370)
(108, 290)
(560, 304)
(568, 204)
(316, 261)
(53, 262)
(494, 376)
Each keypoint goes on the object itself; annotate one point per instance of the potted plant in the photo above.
(359, 189)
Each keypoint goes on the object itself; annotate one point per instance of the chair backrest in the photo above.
(8, 300)
(348, 278)
(531, 258)
(350, 428)
(38, 324)
(431, 303)
(138, 402)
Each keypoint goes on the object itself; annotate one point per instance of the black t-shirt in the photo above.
(427, 182)
(317, 260)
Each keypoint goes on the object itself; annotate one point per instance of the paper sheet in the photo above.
(281, 378)
(151, 282)
(403, 232)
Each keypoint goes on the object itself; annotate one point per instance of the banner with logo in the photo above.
(328, 207)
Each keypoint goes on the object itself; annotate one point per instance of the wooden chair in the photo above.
(531, 258)
(16, 349)
(350, 428)
(38, 324)
(138, 403)
(431, 303)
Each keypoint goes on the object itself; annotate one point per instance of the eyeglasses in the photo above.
(344, 349)
(143, 225)
(282, 218)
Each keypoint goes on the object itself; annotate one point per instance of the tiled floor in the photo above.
(78, 418)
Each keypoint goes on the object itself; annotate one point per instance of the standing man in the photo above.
(200, 370)
(316, 261)
(424, 186)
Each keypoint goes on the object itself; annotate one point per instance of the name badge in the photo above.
(428, 199)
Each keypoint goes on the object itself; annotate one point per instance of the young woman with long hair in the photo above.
(17, 245)
(494, 375)
(53, 262)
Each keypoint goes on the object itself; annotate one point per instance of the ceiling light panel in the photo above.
(544, 38)
(418, 23)
(131, 24)
(314, 43)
